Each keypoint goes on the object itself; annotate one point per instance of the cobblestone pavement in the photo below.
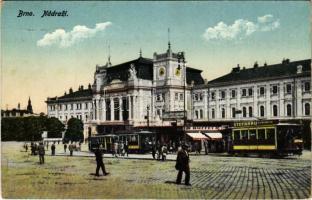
(240, 178)
(212, 177)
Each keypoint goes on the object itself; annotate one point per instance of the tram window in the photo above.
(244, 134)
(133, 138)
(261, 134)
(270, 133)
(252, 134)
(236, 135)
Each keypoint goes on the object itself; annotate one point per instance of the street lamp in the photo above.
(147, 115)
(182, 58)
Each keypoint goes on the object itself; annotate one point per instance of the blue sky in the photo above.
(236, 35)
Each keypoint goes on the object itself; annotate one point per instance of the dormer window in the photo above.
(299, 69)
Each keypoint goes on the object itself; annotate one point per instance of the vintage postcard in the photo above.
(156, 100)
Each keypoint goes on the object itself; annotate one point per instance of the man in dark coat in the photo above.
(99, 161)
(182, 165)
(41, 152)
(53, 149)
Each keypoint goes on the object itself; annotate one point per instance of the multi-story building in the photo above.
(133, 94)
(141, 92)
(18, 112)
(279, 91)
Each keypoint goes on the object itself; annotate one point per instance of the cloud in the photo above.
(241, 28)
(65, 39)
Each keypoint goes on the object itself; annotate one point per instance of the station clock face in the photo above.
(161, 71)
(177, 72)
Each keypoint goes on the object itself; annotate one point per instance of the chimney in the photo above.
(18, 106)
(70, 90)
(265, 64)
(65, 93)
(256, 64)
(299, 69)
(82, 87)
(236, 69)
(89, 86)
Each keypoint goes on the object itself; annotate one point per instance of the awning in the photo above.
(213, 135)
(197, 136)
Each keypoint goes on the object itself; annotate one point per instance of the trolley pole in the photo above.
(182, 58)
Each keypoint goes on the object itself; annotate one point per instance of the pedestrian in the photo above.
(122, 148)
(53, 149)
(164, 152)
(182, 165)
(153, 150)
(158, 148)
(47, 145)
(126, 148)
(32, 148)
(65, 147)
(71, 148)
(116, 149)
(99, 161)
(119, 148)
(41, 152)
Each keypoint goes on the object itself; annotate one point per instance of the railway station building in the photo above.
(147, 93)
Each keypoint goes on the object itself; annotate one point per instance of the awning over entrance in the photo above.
(197, 136)
(213, 135)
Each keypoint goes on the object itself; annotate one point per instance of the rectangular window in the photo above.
(288, 88)
(213, 95)
(244, 92)
(244, 134)
(181, 97)
(252, 134)
(158, 97)
(236, 135)
(233, 92)
(222, 94)
(270, 134)
(274, 89)
(261, 134)
(250, 92)
(261, 91)
(307, 86)
(201, 114)
(233, 112)
(176, 96)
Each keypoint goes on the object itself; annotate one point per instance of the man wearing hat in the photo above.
(99, 161)
(182, 165)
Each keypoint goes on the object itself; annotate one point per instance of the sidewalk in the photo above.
(170, 157)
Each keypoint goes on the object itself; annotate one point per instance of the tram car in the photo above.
(138, 141)
(266, 137)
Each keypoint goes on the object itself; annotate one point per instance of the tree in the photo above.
(74, 130)
(54, 127)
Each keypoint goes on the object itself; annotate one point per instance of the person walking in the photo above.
(153, 150)
(71, 148)
(99, 161)
(164, 152)
(53, 149)
(126, 148)
(65, 147)
(41, 152)
(182, 165)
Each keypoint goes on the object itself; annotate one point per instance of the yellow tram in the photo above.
(266, 137)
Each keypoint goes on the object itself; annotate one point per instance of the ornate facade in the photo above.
(138, 93)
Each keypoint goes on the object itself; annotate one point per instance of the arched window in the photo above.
(261, 111)
(212, 113)
(201, 114)
(223, 113)
(233, 112)
(250, 111)
(196, 114)
(306, 109)
(288, 110)
(244, 112)
(275, 110)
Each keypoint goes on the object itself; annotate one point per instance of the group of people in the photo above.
(182, 161)
(161, 150)
(120, 148)
(72, 147)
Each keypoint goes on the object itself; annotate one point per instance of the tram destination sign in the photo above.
(253, 123)
(173, 115)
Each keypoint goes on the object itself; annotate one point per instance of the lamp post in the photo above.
(182, 58)
(147, 115)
